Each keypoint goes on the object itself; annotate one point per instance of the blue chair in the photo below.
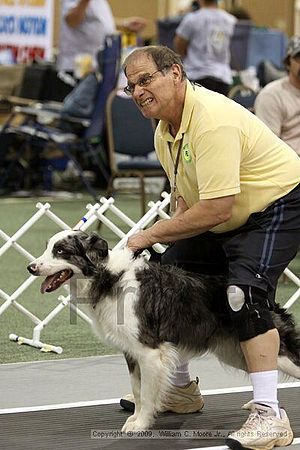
(130, 138)
(79, 139)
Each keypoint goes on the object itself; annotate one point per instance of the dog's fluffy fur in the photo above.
(154, 314)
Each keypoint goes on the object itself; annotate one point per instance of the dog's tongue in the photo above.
(53, 282)
(47, 283)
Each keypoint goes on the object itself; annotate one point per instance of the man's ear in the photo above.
(176, 72)
(97, 248)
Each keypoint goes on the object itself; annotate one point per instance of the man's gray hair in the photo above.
(163, 57)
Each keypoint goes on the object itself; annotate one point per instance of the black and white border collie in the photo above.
(154, 314)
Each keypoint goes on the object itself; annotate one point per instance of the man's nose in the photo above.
(32, 268)
(137, 90)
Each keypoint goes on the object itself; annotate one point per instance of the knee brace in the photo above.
(249, 311)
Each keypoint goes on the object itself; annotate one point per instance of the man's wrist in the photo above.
(148, 237)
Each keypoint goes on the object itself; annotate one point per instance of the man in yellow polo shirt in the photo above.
(237, 192)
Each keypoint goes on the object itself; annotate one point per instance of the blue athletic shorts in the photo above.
(255, 254)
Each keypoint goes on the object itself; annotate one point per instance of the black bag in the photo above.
(81, 101)
(34, 81)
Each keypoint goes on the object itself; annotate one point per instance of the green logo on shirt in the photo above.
(187, 154)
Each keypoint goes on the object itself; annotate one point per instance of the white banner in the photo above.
(26, 28)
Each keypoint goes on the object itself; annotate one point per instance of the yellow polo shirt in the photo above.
(226, 150)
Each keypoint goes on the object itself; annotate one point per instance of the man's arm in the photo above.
(180, 45)
(201, 217)
(133, 24)
(76, 15)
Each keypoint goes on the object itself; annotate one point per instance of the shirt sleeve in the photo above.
(185, 28)
(67, 5)
(218, 159)
(268, 109)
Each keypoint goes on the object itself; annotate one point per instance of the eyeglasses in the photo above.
(143, 81)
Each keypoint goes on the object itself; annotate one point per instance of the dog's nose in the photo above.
(32, 268)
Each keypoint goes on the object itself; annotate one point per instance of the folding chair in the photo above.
(243, 95)
(78, 139)
(132, 135)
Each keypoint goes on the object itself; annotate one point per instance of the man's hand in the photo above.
(140, 241)
(134, 24)
(145, 239)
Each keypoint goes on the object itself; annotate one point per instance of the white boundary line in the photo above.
(109, 401)
(117, 400)
(221, 447)
(245, 389)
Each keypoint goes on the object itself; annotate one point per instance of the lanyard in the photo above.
(173, 183)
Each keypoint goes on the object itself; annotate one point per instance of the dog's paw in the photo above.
(134, 425)
(131, 419)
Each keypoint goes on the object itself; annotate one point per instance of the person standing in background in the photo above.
(203, 41)
(278, 103)
(84, 25)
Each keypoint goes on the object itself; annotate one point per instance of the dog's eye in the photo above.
(59, 251)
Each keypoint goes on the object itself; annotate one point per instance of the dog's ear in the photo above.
(97, 248)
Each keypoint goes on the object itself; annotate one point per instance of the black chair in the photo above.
(267, 72)
(131, 135)
(79, 139)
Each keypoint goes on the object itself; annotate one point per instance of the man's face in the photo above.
(153, 90)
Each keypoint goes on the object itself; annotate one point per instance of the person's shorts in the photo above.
(255, 254)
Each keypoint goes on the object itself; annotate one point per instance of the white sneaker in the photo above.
(181, 400)
(262, 430)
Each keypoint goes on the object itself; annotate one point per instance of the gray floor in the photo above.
(83, 428)
(37, 384)
(97, 378)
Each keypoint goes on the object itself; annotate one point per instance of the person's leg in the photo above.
(257, 256)
(182, 376)
(262, 364)
(259, 340)
(200, 254)
(261, 358)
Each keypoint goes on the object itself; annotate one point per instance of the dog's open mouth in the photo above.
(53, 282)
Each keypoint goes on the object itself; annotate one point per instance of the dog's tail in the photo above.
(289, 353)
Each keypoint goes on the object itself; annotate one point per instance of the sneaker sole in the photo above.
(183, 410)
(236, 445)
(127, 405)
(130, 406)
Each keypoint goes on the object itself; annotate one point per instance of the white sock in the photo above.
(265, 388)
(182, 376)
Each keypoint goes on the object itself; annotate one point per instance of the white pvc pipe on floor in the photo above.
(35, 343)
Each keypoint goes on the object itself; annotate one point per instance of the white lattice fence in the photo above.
(94, 212)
